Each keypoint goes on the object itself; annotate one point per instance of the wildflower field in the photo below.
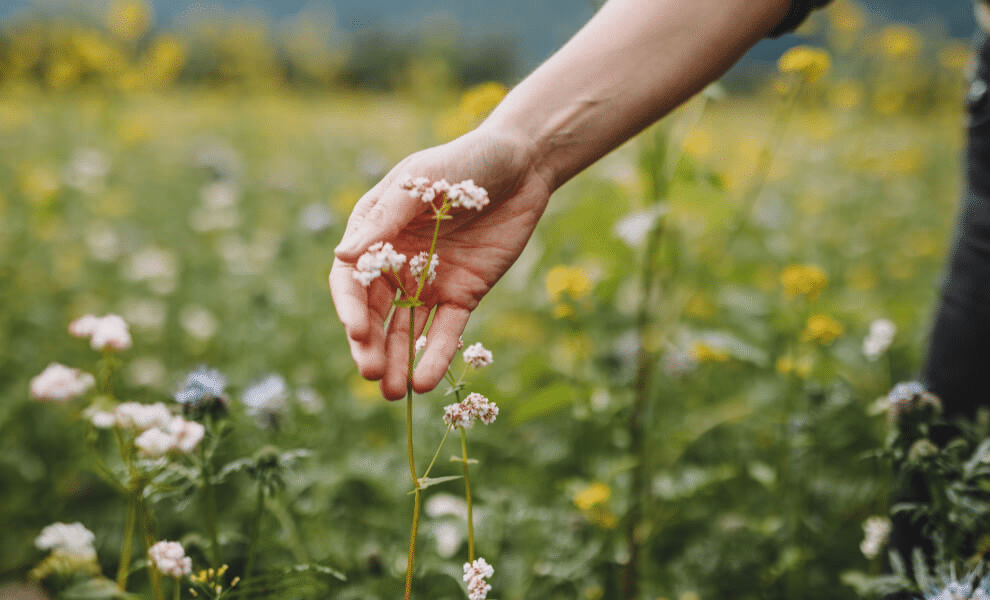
(694, 365)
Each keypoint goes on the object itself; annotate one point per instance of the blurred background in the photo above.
(677, 409)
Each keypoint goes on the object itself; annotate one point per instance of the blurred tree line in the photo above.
(116, 46)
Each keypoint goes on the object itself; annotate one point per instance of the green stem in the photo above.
(467, 495)
(127, 548)
(429, 261)
(209, 499)
(437, 453)
(149, 540)
(176, 588)
(409, 445)
(255, 530)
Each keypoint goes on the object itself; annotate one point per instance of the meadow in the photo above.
(687, 406)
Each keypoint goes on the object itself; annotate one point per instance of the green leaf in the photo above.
(407, 302)
(544, 401)
(426, 482)
(318, 569)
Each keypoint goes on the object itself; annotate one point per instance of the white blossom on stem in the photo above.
(107, 332)
(881, 336)
(380, 257)
(59, 382)
(464, 194)
(473, 408)
(169, 558)
(876, 532)
(67, 540)
(418, 263)
(475, 575)
(477, 356)
(141, 417)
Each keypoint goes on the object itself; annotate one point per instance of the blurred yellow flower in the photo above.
(954, 56)
(703, 353)
(592, 495)
(479, 100)
(810, 63)
(698, 143)
(39, 185)
(845, 16)
(166, 57)
(129, 19)
(846, 95)
(900, 41)
(803, 280)
(798, 366)
(822, 329)
(564, 282)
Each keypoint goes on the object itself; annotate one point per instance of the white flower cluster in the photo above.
(461, 195)
(477, 356)
(881, 336)
(420, 344)
(59, 382)
(473, 408)
(418, 263)
(110, 331)
(159, 432)
(179, 435)
(67, 540)
(266, 400)
(475, 576)
(381, 256)
(876, 532)
(960, 590)
(169, 558)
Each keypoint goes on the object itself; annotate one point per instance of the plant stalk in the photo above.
(127, 547)
(467, 495)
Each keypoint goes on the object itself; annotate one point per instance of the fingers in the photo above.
(363, 312)
(397, 351)
(441, 345)
(379, 215)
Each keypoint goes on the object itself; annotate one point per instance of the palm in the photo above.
(475, 250)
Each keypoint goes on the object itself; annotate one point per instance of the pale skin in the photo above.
(631, 64)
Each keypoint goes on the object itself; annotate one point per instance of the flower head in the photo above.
(876, 531)
(169, 558)
(475, 575)
(141, 417)
(477, 356)
(59, 382)
(418, 263)
(822, 329)
(909, 396)
(107, 332)
(379, 257)
(265, 400)
(803, 280)
(473, 408)
(202, 392)
(881, 336)
(464, 194)
(69, 540)
(810, 63)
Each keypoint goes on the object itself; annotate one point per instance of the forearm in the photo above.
(634, 62)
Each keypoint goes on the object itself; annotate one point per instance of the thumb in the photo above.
(379, 215)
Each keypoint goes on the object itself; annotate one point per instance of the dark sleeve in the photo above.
(796, 15)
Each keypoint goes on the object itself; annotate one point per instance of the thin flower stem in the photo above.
(176, 588)
(467, 495)
(412, 456)
(429, 259)
(209, 499)
(437, 453)
(127, 547)
(255, 531)
(142, 508)
(412, 542)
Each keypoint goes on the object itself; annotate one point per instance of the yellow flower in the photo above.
(810, 63)
(846, 95)
(846, 16)
(822, 329)
(900, 41)
(129, 19)
(800, 366)
(166, 58)
(479, 100)
(803, 280)
(592, 495)
(954, 56)
(703, 353)
(565, 282)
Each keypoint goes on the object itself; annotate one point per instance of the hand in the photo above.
(475, 250)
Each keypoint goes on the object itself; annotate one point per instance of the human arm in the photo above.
(631, 64)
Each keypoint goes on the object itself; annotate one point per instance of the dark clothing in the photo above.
(796, 15)
(960, 341)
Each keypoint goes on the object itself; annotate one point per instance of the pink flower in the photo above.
(418, 263)
(59, 382)
(464, 194)
(473, 408)
(475, 575)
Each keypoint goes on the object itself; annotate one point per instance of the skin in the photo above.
(631, 64)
